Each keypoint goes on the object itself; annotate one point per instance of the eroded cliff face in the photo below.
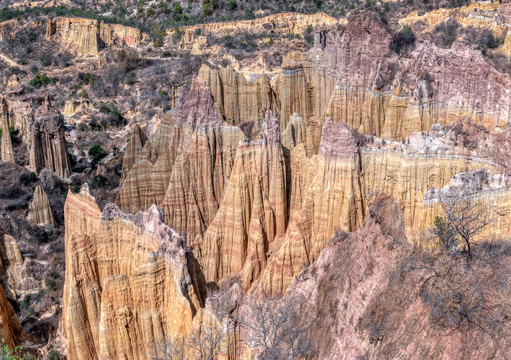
(6, 150)
(190, 160)
(40, 209)
(286, 23)
(257, 173)
(47, 144)
(129, 281)
(87, 37)
(438, 86)
(39, 127)
(238, 99)
(10, 257)
(253, 213)
(381, 289)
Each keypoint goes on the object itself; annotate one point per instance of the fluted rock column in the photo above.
(40, 208)
(253, 212)
(6, 143)
(333, 201)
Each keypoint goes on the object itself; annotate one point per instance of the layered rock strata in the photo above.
(87, 37)
(439, 85)
(332, 200)
(129, 284)
(40, 209)
(238, 99)
(285, 23)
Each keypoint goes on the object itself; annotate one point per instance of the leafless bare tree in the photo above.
(174, 348)
(464, 218)
(277, 329)
(206, 343)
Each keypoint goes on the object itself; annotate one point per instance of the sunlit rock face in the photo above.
(129, 281)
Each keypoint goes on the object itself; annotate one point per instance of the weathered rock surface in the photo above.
(40, 208)
(6, 143)
(10, 257)
(41, 129)
(238, 99)
(332, 200)
(253, 212)
(47, 144)
(189, 161)
(439, 85)
(87, 37)
(392, 301)
(286, 23)
(129, 281)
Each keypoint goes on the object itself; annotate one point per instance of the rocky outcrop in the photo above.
(189, 161)
(331, 199)
(129, 284)
(87, 36)
(393, 300)
(253, 213)
(285, 23)
(438, 86)
(40, 209)
(72, 107)
(133, 150)
(41, 130)
(47, 143)
(6, 150)
(238, 99)
(10, 258)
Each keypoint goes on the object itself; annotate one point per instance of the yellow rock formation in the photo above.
(88, 36)
(253, 212)
(6, 150)
(40, 208)
(10, 328)
(129, 281)
(286, 23)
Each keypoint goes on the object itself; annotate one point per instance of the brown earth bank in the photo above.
(303, 178)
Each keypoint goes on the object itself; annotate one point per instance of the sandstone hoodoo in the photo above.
(40, 209)
(191, 181)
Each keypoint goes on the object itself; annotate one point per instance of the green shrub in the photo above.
(177, 10)
(75, 189)
(52, 355)
(15, 354)
(130, 78)
(178, 35)
(41, 80)
(96, 151)
(13, 132)
(50, 284)
(32, 177)
(198, 31)
(163, 93)
(309, 36)
(249, 15)
(233, 5)
(166, 54)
